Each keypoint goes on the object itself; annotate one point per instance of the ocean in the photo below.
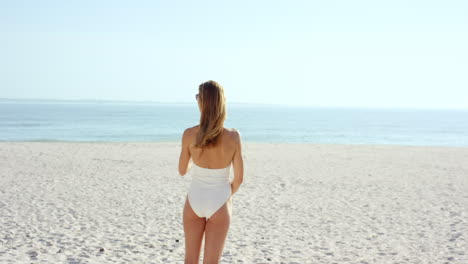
(113, 121)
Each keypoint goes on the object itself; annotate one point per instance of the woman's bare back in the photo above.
(217, 157)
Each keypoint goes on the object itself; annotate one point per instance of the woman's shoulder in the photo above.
(233, 133)
(190, 132)
(191, 129)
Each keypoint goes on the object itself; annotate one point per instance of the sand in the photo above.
(64, 202)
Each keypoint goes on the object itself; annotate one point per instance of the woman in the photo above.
(212, 148)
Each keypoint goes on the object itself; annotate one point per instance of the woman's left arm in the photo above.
(184, 158)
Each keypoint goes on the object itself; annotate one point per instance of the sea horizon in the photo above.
(111, 101)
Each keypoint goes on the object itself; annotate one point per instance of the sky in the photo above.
(399, 54)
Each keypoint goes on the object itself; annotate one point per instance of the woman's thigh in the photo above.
(216, 230)
(194, 227)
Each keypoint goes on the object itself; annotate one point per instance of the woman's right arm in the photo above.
(238, 164)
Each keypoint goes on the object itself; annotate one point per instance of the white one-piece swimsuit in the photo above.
(209, 190)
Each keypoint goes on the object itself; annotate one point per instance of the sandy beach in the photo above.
(63, 202)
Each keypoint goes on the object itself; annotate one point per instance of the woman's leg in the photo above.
(194, 227)
(216, 230)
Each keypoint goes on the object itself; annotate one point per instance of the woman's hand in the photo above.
(232, 189)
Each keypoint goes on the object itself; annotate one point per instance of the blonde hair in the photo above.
(213, 113)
